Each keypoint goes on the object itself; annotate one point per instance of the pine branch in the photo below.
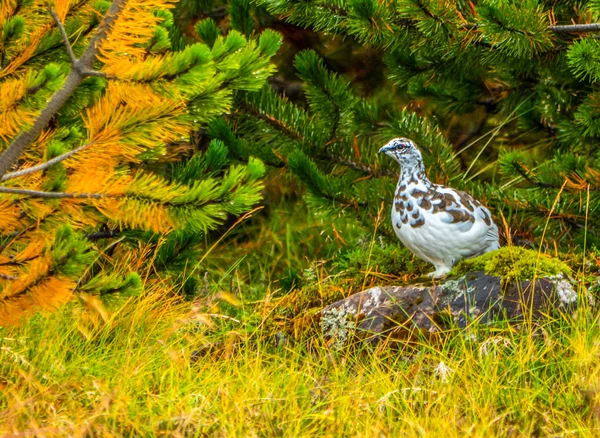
(82, 34)
(273, 121)
(32, 91)
(49, 195)
(427, 12)
(7, 277)
(63, 33)
(8, 236)
(563, 218)
(105, 234)
(20, 262)
(97, 74)
(337, 115)
(576, 224)
(592, 27)
(45, 165)
(79, 71)
(361, 167)
(521, 171)
(352, 164)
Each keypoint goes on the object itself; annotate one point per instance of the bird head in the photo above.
(403, 150)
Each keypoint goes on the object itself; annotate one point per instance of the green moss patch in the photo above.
(385, 259)
(513, 262)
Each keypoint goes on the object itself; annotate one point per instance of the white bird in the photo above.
(438, 224)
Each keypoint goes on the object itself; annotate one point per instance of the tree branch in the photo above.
(79, 71)
(361, 167)
(49, 195)
(273, 121)
(63, 32)
(592, 27)
(97, 74)
(7, 277)
(102, 234)
(521, 171)
(45, 165)
(352, 164)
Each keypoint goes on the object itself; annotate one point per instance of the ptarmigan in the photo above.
(438, 224)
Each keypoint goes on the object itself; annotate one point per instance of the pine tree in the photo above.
(100, 190)
(500, 95)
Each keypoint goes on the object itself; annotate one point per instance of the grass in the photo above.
(134, 377)
(229, 364)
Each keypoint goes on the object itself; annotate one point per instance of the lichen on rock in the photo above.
(564, 290)
(401, 313)
(337, 323)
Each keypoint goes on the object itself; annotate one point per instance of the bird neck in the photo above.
(413, 173)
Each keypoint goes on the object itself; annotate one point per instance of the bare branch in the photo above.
(76, 63)
(592, 27)
(80, 70)
(63, 32)
(45, 165)
(89, 56)
(103, 234)
(48, 195)
(94, 73)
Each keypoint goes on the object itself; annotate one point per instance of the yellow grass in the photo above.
(133, 376)
(227, 364)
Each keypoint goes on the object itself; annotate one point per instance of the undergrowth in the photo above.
(134, 377)
(245, 357)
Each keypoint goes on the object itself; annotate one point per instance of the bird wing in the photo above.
(460, 209)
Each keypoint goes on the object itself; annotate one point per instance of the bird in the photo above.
(438, 224)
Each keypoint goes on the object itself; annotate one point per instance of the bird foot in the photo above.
(438, 273)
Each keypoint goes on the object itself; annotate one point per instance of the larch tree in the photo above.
(99, 193)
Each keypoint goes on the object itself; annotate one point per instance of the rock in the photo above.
(395, 312)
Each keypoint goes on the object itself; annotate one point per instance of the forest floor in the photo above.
(228, 363)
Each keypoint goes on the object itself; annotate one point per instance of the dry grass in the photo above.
(134, 377)
(129, 372)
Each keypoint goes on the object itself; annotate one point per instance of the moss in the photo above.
(383, 258)
(356, 269)
(511, 263)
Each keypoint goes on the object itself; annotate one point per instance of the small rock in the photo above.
(395, 312)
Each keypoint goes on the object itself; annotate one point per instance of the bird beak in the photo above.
(384, 149)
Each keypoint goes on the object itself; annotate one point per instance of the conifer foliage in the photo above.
(94, 100)
(100, 190)
(512, 85)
